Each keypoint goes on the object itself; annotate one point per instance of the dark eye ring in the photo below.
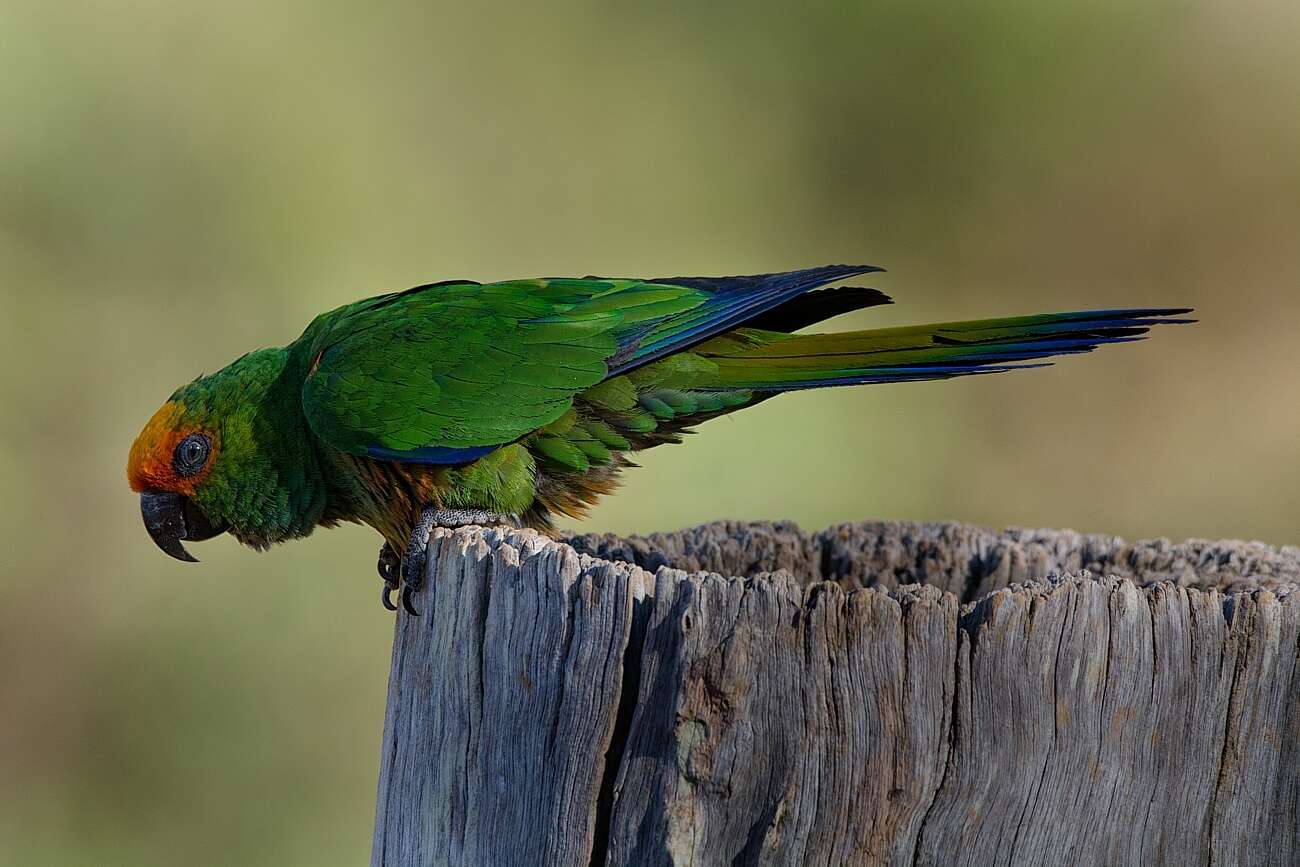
(191, 454)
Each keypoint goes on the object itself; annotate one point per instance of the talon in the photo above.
(407, 593)
(386, 596)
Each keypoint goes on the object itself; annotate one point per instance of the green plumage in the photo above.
(524, 397)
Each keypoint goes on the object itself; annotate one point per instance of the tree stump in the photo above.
(902, 694)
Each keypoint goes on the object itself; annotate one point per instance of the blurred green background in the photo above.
(182, 182)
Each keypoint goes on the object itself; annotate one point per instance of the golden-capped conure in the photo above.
(458, 402)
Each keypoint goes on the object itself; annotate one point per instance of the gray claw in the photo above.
(407, 592)
(409, 571)
(413, 568)
(388, 568)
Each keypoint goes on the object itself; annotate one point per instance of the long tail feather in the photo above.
(767, 361)
(732, 301)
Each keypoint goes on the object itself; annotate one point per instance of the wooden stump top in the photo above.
(870, 694)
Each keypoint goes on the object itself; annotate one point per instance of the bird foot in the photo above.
(408, 571)
(390, 566)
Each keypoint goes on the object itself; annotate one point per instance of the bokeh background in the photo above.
(182, 182)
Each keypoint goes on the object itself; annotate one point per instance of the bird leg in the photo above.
(413, 561)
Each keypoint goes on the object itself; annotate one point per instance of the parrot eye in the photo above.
(191, 454)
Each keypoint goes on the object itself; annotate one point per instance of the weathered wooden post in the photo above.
(870, 694)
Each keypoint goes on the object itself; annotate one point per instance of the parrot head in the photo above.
(170, 463)
(227, 453)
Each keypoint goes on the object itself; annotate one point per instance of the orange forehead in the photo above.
(150, 465)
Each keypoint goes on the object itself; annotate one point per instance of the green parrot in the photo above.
(460, 403)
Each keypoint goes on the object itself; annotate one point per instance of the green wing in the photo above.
(444, 374)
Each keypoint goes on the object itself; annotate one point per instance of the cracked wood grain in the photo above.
(502, 698)
(559, 704)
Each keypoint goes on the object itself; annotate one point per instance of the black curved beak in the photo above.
(171, 519)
